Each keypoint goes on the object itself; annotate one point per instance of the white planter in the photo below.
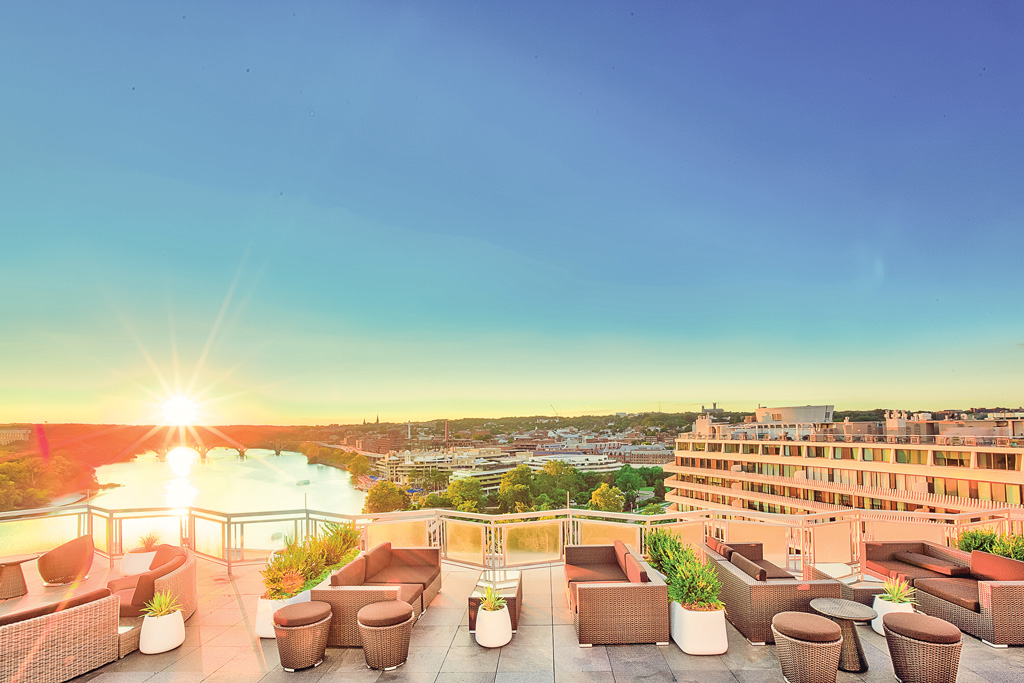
(493, 628)
(160, 634)
(884, 607)
(265, 612)
(698, 633)
(136, 563)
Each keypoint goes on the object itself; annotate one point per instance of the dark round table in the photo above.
(847, 613)
(12, 580)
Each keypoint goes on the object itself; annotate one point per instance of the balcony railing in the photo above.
(911, 439)
(490, 541)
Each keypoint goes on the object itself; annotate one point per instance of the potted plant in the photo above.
(163, 627)
(897, 596)
(698, 625)
(493, 623)
(137, 560)
(293, 571)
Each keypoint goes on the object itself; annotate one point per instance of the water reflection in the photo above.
(181, 459)
(179, 493)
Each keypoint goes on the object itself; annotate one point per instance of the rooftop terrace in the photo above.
(220, 645)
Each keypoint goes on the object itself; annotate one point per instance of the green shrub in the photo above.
(312, 561)
(1009, 545)
(692, 579)
(977, 539)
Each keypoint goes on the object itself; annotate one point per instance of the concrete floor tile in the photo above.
(473, 659)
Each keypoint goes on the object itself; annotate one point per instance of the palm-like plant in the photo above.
(162, 604)
(491, 600)
(898, 592)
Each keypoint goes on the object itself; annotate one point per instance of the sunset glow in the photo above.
(180, 411)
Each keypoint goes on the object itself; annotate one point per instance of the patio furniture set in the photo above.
(58, 640)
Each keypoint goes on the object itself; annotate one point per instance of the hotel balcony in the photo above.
(220, 644)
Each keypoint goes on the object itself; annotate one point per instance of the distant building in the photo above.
(14, 435)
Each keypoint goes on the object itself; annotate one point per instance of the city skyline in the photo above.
(314, 214)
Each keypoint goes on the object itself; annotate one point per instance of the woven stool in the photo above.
(385, 629)
(301, 630)
(923, 649)
(808, 647)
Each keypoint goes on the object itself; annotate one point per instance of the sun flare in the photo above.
(180, 411)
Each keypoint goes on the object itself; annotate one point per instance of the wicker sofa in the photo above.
(614, 596)
(58, 642)
(983, 596)
(412, 575)
(751, 601)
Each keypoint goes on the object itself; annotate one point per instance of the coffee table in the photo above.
(847, 613)
(12, 580)
(509, 585)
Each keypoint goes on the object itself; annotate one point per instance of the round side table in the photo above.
(12, 579)
(847, 613)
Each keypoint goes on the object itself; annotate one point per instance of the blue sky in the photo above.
(316, 212)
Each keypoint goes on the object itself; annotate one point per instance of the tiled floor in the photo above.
(220, 646)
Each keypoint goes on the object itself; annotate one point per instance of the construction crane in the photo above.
(553, 408)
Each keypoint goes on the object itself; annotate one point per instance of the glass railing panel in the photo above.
(37, 535)
(832, 543)
(775, 538)
(400, 534)
(532, 542)
(99, 532)
(606, 533)
(691, 533)
(256, 540)
(464, 541)
(906, 531)
(168, 528)
(209, 537)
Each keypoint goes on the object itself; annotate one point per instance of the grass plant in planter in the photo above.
(493, 623)
(163, 627)
(294, 570)
(898, 596)
(137, 560)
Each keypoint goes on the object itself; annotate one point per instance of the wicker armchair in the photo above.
(180, 582)
(67, 563)
(620, 612)
(750, 604)
(60, 646)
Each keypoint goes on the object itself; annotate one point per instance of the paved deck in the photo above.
(220, 646)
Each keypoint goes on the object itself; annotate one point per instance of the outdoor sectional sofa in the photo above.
(754, 590)
(979, 593)
(614, 596)
(57, 642)
(412, 575)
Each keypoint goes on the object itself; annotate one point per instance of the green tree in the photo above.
(651, 509)
(629, 479)
(607, 498)
(384, 496)
(435, 500)
(514, 491)
(359, 465)
(468, 490)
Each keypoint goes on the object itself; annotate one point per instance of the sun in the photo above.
(180, 411)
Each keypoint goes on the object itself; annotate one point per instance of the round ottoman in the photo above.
(923, 649)
(385, 629)
(808, 647)
(301, 630)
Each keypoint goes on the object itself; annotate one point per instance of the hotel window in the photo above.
(791, 451)
(815, 451)
(732, 448)
(952, 459)
(770, 450)
(842, 453)
(997, 461)
(911, 457)
(714, 448)
(698, 447)
(876, 455)
(750, 448)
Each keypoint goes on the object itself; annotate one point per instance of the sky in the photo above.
(327, 211)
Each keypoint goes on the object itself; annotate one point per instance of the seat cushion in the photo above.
(894, 569)
(747, 567)
(352, 574)
(387, 613)
(635, 571)
(164, 554)
(146, 586)
(423, 574)
(811, 628)
(751, 551)
(43, 610)
(922, 627)
(125, 607)
(581, 573)
(961, 591)
(378, 559)
(989, 567)
(773, 571)
(407, 592)
(935, 564)
(302, 613)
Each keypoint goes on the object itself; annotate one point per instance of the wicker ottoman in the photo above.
(808, 647)
(385, 629)
(301, 630)
(923, 649)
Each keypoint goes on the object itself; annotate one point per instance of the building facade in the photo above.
(796, 460)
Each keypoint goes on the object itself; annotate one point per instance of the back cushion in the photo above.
(634, 572)
(751, 551)
(164, 554)
(935, 564)
(724, 550)
(145, 587)
(352, 574)
(747, 566)
(415, 556)
(42, 610)
(989, 567)
(620, 554)
(378, 559)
